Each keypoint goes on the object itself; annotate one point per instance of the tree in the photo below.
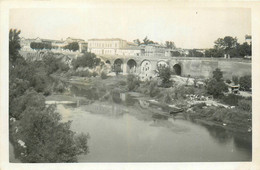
(146, 41)
(46, 139)
(217, 74)
(37, 133)
(176, 53)
(213, 52)
(245, 82)
(216, 86)
(165, 75)
(86, 60)
(170, 44)
(132, 82)
(137, 41)
(40, 45)
(14, 45)
(226, 43)
(195, 53)
(74, 46)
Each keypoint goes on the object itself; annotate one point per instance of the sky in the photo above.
(187, 27)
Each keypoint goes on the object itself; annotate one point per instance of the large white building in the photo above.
(114, 46)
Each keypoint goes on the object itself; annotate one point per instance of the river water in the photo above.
(131, 130)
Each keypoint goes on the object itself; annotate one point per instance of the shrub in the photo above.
(216, 88)
(104, 75)
(94, 74)
(165, 75)
(153, 89)
(228, 81)
(231, 99)
(245, 104)
(217, 74)
(122, 83)
(132, 82)
(245, 83)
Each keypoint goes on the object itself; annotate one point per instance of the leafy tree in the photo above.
(132, 82)
(226, 43)
(37, 135)
(165, 75)
(245, 49)
(47, 139)
(14, 45)
(195, 53)
(40, 45)
(217, 74)
(216, 53)
(245, 83)
(146, 41)
(170, 44)
(216, 86)
(74, 46)
(176, 53)
(137, 41)
(87, 60)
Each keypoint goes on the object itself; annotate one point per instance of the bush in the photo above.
(245, 83)
(165, 75)
(216, 88)
(122, 83)
(132, 82)
(94, 74)
(153, 89)
(87, 60)
(104, 75)
(231, 99)
(245, 104)
(115, 93)
(228, 81)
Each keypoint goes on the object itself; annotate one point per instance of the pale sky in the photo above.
(187, 27)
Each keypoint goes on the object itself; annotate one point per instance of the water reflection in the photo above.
(220, 134)
(150, 125)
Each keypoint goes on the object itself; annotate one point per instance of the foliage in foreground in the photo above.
(36, 131)
(132, 82)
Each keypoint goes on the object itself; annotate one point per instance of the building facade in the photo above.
(106, 46)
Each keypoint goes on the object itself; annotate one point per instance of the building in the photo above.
(248, 39)
(106, 46)
(154, 50)
(130, 51)
(71, 40)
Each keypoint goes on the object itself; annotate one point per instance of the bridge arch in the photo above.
(162, 63)
(146, 70)
(118, 65)
(131, 66)
(177, 69)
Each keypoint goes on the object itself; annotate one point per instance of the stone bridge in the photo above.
(145, 66)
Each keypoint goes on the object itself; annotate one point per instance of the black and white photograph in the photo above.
(130, 83)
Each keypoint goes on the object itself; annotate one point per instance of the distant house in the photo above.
(153, 50)
(107, 46)
(130, 51)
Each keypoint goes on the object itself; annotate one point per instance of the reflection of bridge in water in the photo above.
(198, 67)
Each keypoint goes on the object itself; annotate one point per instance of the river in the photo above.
(132, 130)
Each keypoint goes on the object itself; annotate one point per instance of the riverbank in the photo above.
(209, 112)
